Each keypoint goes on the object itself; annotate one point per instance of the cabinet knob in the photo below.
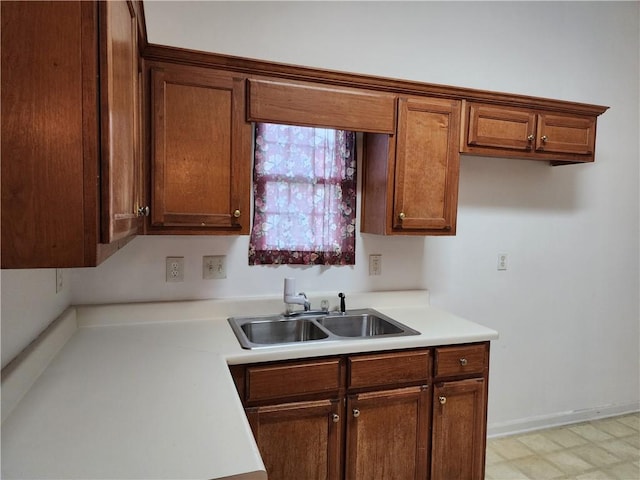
(463, 362)
(531, 137)
(544, 138)
(442, 400)
(335, 418)
(143, 211)
(356, 412)
(236, 213)
(401, 216)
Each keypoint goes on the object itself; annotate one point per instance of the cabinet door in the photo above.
(427, 165)
(299, 440)
(201, 165)
(119, 94)
(566, 134)
(497, 127)
(459, 433)
(49, 141)
(387, 434)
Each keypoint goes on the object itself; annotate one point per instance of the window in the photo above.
(304, 196)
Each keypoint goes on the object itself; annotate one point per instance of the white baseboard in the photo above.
(502, 429)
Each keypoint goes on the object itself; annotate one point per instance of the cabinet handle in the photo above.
(401, 216)
(236, 213)
(463, 362)
(544, 138)
(143, 211)
(356, 412)
(335, 417)
(442, 400)
(530, 139)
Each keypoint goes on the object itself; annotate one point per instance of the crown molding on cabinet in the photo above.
(332, 77)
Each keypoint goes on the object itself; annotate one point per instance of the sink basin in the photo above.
(282, 331)
(362, 325)
(298, 329)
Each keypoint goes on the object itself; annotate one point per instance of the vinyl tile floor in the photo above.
(607, 449)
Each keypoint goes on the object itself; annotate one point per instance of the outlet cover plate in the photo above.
(175, 269)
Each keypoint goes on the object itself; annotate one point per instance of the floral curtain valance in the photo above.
(304, 188)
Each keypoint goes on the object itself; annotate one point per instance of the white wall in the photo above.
(29, 304)
(567, 308)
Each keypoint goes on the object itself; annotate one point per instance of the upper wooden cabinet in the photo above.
(527, 133)
(318, 105)
(70, 160)
(414, 134)
(201, 151)
(411, 178)
(120, 111)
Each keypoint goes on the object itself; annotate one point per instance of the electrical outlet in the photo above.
(502, 261)
(175, 269)
(214, 266)
(375, 264)
(59, 280)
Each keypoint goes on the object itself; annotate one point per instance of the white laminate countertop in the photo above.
(143, 391)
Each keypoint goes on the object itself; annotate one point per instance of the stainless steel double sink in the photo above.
(277, 330)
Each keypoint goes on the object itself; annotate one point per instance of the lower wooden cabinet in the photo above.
(459, 430)
(299, 440)
(371, 416)
(387, 434)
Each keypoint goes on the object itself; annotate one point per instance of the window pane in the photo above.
(304, 192)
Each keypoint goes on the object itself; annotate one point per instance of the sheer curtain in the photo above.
(304, 188)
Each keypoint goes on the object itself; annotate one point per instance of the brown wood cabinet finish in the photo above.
(462, 360)
(459, 430)
(294, 380)
(381, 369)
(320, 105)
(201, 159)
(381, 411)
(402, 88)
(507, 131)
(120, 109)
(54, 185)
(387, 434)
(410, 172)
(299, 440)
(411, 179)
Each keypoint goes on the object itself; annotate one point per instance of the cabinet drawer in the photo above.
(389, 369)
(295, 379)
(462, 360)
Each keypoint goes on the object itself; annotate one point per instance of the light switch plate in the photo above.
(375, 264)
(214, 267)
